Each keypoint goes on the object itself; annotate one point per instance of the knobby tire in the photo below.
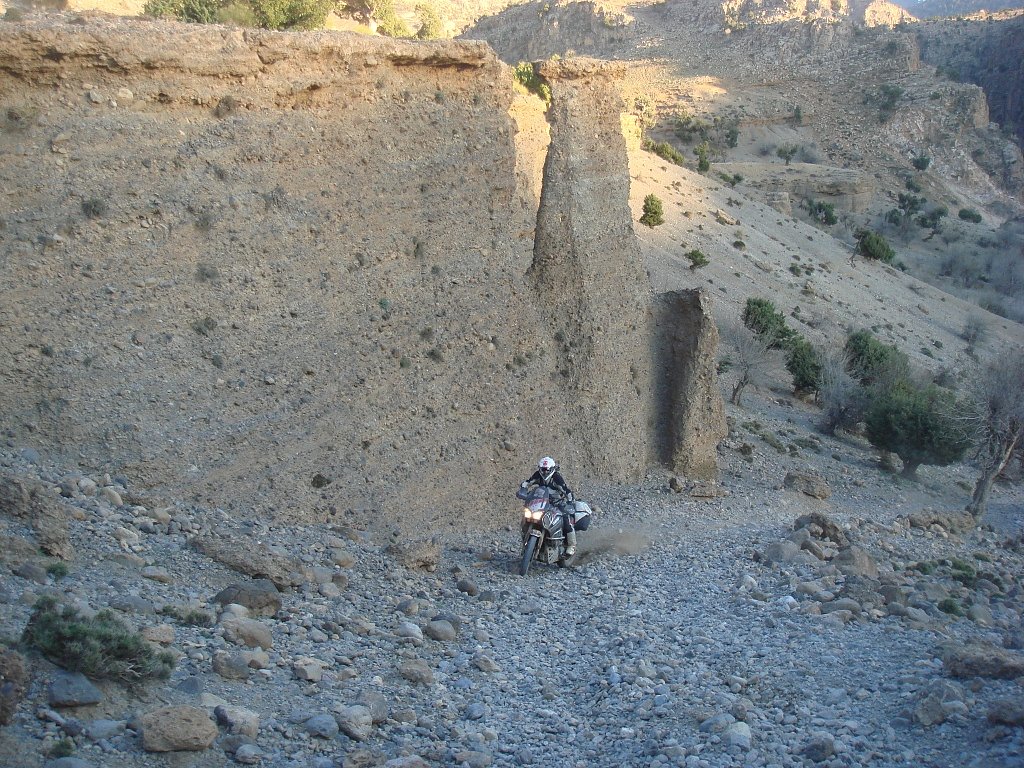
(531, 548)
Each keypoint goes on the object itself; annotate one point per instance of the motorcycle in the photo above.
(542, 527)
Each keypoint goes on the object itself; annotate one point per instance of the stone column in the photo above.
(588, 271)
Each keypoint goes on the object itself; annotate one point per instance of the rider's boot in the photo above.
(570, 542)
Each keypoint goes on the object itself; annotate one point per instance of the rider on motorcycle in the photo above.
(547, 475)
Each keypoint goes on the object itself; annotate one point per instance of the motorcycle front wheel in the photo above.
(528, 552)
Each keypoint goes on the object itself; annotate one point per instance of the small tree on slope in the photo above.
(918, 424)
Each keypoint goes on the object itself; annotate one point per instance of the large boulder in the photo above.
(260, 596)
(808, 484)
(822, 526)
(956, 521)
(417, 554)
(177, 729)
(688, 397)
(854, 561)
(13, 681)
(249, 556)
(33, 501)
(982, 660)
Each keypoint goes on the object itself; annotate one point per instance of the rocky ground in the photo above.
(746, 623)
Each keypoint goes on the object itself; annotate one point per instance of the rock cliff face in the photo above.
(270, 271)
(988, 53)
(292, 274)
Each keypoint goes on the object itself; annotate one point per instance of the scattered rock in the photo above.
(982, 660)
(409, 630)
(356, 722)
(737, 734)
(440, 629)
(247, 632)
(820, 748)
(260, 596)
(822, 526)
(231, 666)
(1006, 712)
(322, 726)
(419, 555)
(251, 557)
(174, 729)
(854, 561)
(238, 720)
(808, 484)
(73, 689)
(417, 671)
(309, 669)
(937, 702)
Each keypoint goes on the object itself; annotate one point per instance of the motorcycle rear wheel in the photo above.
(528, 552)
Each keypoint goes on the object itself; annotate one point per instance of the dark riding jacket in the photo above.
(557, 482)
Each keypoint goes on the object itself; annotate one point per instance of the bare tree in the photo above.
(752, 357)
(997, 422)
(842, 398)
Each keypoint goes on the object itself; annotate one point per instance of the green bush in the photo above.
(803, 364)
(931, 219)
(872, 245)
(720, 133)
(697, 259)
(163, 9)
(58, 570)
(918, 424)
(199, 11)
(665, 151)
(431, 23)
(910, 204)
(192, 617)
(654, 213)
(951, 606)
(237, 14)
(921, 162)
(293, 14)
(823, 212)
(872, 361)
(101, 646)
(703, 152)
(527, 76)
(969, 214)
(760, 316)
(787, 152)
(886, 98)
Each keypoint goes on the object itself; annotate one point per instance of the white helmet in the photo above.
(547, 468)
